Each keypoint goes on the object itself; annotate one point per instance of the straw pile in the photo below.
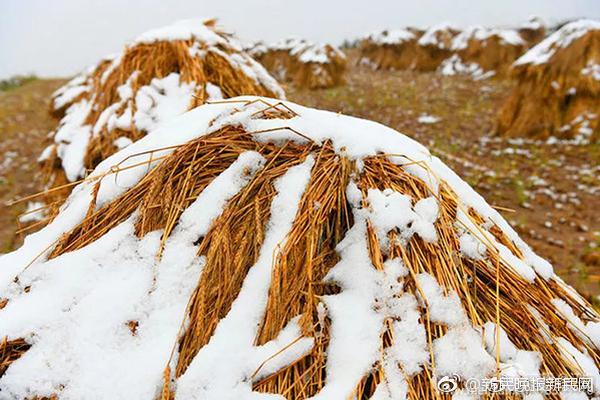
(435, 46)
(390, 49)
(492, 50)
(558, 87)
(533, 31)
(303, 63)
(163, 73)
(280, 250)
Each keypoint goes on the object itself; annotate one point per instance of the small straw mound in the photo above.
(434, 47)
(303, 63)
(390, 49)
(163, 73)
(557, 94)
(255, 247)
(492, 50)
(533, 31)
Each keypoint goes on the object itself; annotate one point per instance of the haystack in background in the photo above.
(255, 246)
(319, 66)
(435, 46)
(558, 87)
(303, 63)
(163, 73)
(390, 49)
(483, 52)
(533, 31)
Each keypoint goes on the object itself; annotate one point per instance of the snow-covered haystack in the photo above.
(254, 246)
(161, 74)
(533, 31)
(303, 63)
(390, 49)
(320, 66)
(558, 87)
(434, 46)
(493, 50)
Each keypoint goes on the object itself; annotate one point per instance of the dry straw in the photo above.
(489, 289)
(396, 50)
(557, 91)
(211, 59)
(302, 63)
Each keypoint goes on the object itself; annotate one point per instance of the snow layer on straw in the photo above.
(430, 37)
(155, 103)
(543, 51)
(183, 30)
(390, 37)
(480, 33)
(77, 311)
(454, 65)
(209, 376)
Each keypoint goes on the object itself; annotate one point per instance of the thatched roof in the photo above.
(558, 87)
(254, 246)
(161, 74)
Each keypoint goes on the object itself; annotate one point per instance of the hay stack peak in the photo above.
(558, 87)
(255, 247)
(161, 74)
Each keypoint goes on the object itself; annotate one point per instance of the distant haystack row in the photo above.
(162, 74)
(303, 63)
(558, 90)
(477, 51)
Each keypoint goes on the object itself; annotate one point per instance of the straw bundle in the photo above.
(163, 73)
(303, 63)
(434, 47)
(558, 87)
(280, 250)
(390, 49)
(533, 31)
(492, 50)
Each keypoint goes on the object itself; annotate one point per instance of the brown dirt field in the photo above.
(24, 124)
(554, 190)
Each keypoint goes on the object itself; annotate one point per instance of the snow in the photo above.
(543, 51)
(208, 376)
(35, 212)
(183, 30)
(390, 37)
(152, 104)
(77, 309)
(430, 37)
(454, 65)
(509, 37)
(162, 100)
(427, 119)
(592, 70)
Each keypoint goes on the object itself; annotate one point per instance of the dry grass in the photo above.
(489, 290)
(552, 95)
